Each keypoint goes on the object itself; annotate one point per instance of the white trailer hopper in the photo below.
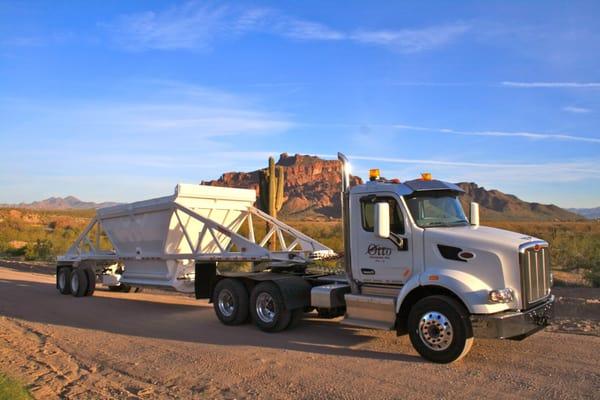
(157, 242)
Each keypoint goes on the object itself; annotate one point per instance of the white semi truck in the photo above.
(412, 263)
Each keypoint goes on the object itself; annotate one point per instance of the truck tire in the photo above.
(230, 301)
(79, 282)
(268, 308)
(440, 329)
(91, 276)
(63, 280)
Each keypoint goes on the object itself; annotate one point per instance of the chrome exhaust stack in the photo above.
(345, 199)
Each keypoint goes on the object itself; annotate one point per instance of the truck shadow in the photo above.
(165, 317)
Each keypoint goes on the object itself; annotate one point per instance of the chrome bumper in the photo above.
(515, 325)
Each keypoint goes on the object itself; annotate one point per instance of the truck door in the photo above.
(375, 259)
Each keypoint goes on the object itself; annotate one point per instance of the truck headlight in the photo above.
(501, 295)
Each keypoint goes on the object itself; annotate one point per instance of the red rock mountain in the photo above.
(312, 191)
(312, 185)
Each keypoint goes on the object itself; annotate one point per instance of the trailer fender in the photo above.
(295, 291)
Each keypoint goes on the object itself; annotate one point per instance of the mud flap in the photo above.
(205, 278)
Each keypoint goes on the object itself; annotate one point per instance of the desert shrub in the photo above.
(40, 250)
(12, 389)
(11, 252)
(593, 275)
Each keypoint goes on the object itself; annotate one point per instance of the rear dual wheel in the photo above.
(230, 301)
(79, 281)
(268, 309)
(233, 305)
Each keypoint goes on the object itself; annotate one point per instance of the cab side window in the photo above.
(396, 217)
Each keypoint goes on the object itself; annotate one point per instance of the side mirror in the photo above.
(382, 220)
(474, 214)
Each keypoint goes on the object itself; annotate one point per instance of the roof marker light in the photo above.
(374, 174)
(426, 176)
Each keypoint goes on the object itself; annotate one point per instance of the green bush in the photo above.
(40, 250)
(12, 390)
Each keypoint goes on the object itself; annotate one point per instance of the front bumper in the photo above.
(514, 324)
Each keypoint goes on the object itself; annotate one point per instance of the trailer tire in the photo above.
(79, 282)
(230, 301)
(439, 329)
(91, 276)
(268, 308)
(63, 279)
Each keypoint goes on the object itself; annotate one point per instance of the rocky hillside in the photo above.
(495, 205)
(312, 190)
(312, 185)
(61, 203)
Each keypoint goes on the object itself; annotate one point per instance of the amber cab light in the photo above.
(374, 174)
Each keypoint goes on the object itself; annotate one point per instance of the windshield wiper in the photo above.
(456, 223)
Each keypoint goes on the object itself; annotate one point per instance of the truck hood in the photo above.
(495, 264)
(476, 236)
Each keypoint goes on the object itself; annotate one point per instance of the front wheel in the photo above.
(440, 329)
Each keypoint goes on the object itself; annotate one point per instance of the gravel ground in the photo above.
(159, 345)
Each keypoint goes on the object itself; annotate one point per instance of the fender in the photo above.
(472, 291)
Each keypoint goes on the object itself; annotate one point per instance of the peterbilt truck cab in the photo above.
(416, 264)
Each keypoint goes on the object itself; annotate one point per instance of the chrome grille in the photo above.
(535, 273)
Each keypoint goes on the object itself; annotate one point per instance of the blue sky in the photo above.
(115, 100)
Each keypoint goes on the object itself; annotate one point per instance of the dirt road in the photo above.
(154, 345)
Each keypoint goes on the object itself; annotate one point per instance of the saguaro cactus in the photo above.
(272, 181)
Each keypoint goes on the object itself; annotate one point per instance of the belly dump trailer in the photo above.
(412, 263)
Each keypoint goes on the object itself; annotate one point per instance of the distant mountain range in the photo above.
(61, 203)
(312, 190)
(589, 213)
(312, 187)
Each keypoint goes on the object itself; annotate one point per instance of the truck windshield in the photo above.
(436, 209)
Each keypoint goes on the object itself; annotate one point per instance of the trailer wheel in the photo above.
(91, 276)
(268, 308)
(79, 282)
(63, 280)
(230, 301)
(440, 329)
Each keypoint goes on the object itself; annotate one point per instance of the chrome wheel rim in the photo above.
(226, 302)
(62, 280)
(74, 283)
(435, 330)
(265, 308)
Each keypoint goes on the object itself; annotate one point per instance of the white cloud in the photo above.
(528, 135)
(163, 112)
(412, 40)
(190, 26)
(576, 110)
(196, 26)
(551, 84)
(483, 172)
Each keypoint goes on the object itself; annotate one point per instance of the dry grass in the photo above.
(575, 246)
